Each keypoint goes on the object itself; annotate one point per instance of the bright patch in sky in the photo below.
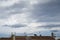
(7, 3)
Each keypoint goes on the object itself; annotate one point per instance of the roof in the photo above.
(30, 37)
(5, 38)
(36, 37)
(20, 37)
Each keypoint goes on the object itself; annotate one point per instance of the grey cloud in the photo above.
(50, 26)
(3, 0)
(15, 25)
(55, 30)
(47, 12)
(11, 10)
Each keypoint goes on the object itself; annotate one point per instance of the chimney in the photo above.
(25, 34)
(40, 35)
(52, 34)
(13, 36)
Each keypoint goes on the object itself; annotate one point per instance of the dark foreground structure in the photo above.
(13, 37)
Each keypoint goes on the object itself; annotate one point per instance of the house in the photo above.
(13, 37)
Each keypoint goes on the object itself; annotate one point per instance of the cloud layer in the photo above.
(29, 15)
(15, 26)
(50, 26)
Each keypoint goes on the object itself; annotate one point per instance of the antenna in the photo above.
(40, 34)
(25, 34)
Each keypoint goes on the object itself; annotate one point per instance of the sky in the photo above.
(29, 16)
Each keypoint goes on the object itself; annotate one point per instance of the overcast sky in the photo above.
(29, 16)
